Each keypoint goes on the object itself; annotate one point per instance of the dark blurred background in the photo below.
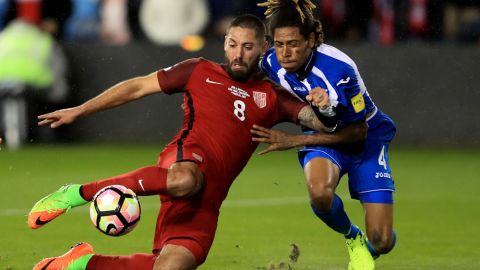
(419, 58)
(386, 22)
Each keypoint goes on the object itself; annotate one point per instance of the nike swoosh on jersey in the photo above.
(343, 81)
(213, 82)
(40, 222)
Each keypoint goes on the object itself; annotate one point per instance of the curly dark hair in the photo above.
(296, 13)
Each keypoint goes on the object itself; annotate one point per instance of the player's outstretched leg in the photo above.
(54, 205)
(185, 180)
(360, 257)
(75, 259)
(81, 257)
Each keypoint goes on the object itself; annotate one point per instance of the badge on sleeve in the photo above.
(358, 103)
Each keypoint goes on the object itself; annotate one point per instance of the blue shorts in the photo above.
(369, 175)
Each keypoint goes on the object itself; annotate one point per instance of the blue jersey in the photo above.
(368, 166)
(332, 70)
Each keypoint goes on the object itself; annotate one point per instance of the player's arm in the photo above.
(279, 140)
(116, 95)
(307, 118)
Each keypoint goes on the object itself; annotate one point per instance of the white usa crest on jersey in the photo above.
(260, 99)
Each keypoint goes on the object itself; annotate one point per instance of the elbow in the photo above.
(142, 86)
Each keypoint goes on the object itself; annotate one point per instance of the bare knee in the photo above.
(379, 225)
(383, 242)
(322, 198)
(322, 177)
(184, 180)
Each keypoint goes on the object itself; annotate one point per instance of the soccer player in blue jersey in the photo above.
(327, 78)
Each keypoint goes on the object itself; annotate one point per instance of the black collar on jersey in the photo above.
(303, 72)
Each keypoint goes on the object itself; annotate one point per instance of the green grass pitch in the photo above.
(436, 212)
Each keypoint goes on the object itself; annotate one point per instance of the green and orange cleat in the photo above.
(75, 259)
(360, 257)
(54, 205)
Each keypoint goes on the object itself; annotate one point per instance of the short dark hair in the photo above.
(290, 13)
(251, 22)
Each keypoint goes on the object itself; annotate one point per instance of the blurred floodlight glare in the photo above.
(192, 43)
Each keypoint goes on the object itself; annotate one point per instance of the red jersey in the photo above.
(219, 113)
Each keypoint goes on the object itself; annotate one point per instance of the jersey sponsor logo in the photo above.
(236, 91)
(358, 103)
(343, 81)
(383, 175)
(197, 157)
(213, 82)
(260, 99)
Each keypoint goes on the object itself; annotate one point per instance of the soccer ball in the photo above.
(115, 210)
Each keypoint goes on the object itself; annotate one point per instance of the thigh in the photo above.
(187, 223)
(173, 154)
(323, 167)
(371, 171)
(321, 174)
(378, 221)
(175, 257)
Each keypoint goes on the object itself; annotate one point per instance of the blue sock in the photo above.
(337, 219)
(354, 231)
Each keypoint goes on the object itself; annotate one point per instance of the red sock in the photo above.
(150, 180)
(136, 261)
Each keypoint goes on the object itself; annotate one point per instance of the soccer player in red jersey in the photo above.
(195, 170)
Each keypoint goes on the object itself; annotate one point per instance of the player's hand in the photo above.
(318, 97)
(58, 118)
(278, 140)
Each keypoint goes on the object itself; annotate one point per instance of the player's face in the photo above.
(242, 52)
(291, 48)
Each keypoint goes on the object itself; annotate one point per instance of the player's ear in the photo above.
(264, 46)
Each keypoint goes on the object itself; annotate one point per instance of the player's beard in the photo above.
(242, 76)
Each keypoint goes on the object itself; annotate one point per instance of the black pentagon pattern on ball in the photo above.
(116, 212)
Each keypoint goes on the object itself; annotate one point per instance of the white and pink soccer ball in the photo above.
(115, 210)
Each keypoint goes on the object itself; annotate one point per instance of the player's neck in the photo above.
(303, 71)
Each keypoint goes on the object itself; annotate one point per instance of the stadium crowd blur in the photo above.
(382, 21)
